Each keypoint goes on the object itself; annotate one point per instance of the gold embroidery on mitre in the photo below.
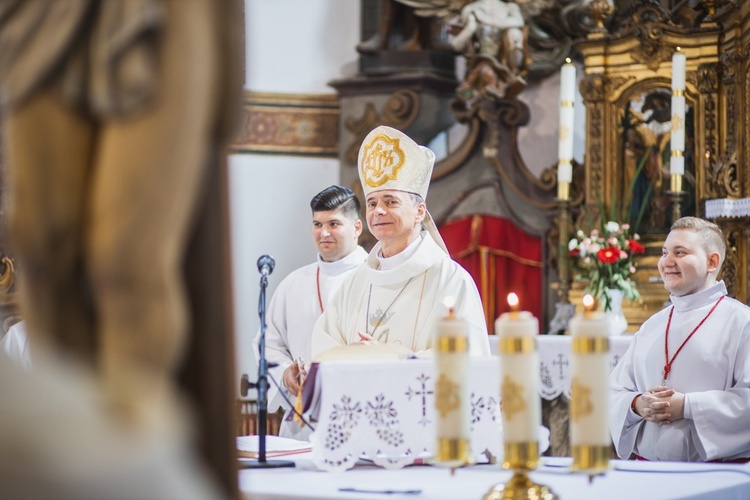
(580, 400)
(447, 397)
(381, 160)
(511, 394)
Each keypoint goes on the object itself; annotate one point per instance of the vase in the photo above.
(617, 322)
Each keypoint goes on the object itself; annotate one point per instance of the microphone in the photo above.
(266, 265)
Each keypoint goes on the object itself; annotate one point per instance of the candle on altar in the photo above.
(565, 143)
(589, 402)
(452, 395)
(677, 136)
(519, 384)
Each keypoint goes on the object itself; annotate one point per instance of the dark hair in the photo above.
(337, 197)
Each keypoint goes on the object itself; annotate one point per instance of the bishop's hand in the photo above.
(364, 338)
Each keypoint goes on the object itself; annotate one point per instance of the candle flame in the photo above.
(513, 301)
(588, 302)
(678, 49)
(568, 60)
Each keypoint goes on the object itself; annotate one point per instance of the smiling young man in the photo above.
(302, 296)
(399, 294)
(682, 390)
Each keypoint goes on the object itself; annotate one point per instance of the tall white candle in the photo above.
(677, 137)
(519, 374)
(565, 143)
(589, 424)
(452, 395)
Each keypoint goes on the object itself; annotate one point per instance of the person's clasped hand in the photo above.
(660, 405)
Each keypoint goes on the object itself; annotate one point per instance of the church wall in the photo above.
(292, 47)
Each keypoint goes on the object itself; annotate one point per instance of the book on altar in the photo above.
(247, 446)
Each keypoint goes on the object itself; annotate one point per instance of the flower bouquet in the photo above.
(605, 258)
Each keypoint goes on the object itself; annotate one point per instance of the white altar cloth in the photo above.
(385, 410)
(554, 361)
(626, 481)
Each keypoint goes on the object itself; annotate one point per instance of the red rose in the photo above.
(608, 255)
(574, 253)
(636, 247)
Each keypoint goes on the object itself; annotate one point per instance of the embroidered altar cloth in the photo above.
(385, 411)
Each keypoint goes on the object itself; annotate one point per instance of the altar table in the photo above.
(627, 480)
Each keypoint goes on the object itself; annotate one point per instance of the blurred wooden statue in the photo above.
(399, 28)
(110, 112)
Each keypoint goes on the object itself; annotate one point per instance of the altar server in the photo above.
(303, 295)
(682, 390)
(400, 293)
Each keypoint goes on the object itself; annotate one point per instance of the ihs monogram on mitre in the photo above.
(382, 160)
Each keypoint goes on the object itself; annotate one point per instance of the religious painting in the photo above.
(645, 126)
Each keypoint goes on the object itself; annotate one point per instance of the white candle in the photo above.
(589, 403)
(677, 136)
(678, 70)
(452, 394)
(519, 375)
(567, 118)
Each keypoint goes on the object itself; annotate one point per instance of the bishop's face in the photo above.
(335, 234)
(684, 265)
(394, 219)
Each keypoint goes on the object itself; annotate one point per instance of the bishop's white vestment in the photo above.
(712, 370)
(402, 305)
(290, 317)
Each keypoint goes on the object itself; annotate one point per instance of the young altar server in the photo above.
(400, 293)
(682, 390)
(303, 295)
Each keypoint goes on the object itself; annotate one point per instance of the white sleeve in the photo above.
(276, 347)
(722, 427)
(624, 424)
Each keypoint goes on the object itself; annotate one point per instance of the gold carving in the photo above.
(381, 161)
(652, 51)
(447, 395)
(511, 394)
(708, 78)
(580, 400)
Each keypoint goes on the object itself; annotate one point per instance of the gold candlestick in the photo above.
(519, 375)
(589, 432)
(452, 395)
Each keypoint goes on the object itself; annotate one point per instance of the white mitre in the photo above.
(389, 159)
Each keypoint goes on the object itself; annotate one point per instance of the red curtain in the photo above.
(501, 258)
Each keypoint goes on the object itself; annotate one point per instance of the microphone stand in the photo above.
(262, 386)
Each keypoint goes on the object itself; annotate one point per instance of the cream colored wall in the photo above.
(292, 46)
